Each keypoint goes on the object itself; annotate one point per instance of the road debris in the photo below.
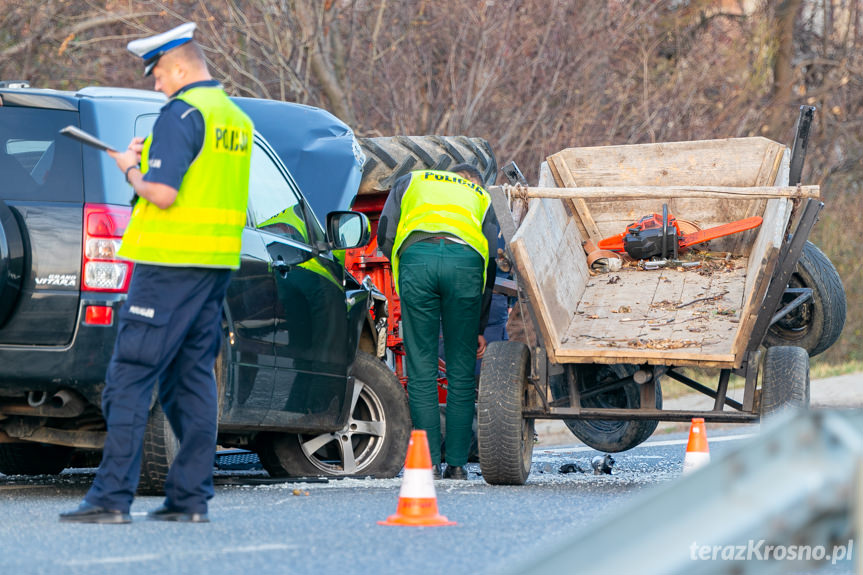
(570, 468)
(602, 464)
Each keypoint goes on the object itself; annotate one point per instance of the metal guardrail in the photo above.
(797, 486)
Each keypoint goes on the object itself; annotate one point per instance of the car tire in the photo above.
(11, 261)
(784, 379)
(159, 451)
(389, 158)
(505, 437)
(34, 458)
(610, 436)
(817, 324)
(377, 430)
(161, 445)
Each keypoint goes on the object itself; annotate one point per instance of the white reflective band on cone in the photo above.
(695, 459)
(418, 484)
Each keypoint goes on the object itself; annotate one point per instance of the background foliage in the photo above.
(530, 76)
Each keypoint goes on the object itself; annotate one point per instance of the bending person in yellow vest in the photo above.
(191, 184)
(438, 229)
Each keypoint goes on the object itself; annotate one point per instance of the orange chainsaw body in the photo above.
(617, 242)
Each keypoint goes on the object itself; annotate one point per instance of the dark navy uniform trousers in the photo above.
(169, 332)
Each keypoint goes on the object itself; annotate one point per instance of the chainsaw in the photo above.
(660, 236)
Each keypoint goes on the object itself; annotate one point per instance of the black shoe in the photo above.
(455, 472)
(88, 513)
(167, 514)
(436, 470)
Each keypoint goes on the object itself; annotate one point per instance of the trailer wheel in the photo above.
(609, 435)
(784, 379)
(817, 324)
(505, 437)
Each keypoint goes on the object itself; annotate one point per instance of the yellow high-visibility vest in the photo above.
(204, 225)
(442, 202)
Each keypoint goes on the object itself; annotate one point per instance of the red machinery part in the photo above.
(370, 261)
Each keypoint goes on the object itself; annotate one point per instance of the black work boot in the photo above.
(455, 472)
(89, 513)
(167, 514)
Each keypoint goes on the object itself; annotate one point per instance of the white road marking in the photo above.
(709, 440)
(256, 548)
(110, 560)
(169, 555)
(661, 443)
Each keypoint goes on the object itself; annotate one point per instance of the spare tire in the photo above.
(817, 324)
(608, 435)
(11, 261)
(388, 159)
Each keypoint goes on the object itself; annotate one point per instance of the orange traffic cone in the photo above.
(697, 450)
(417, 498)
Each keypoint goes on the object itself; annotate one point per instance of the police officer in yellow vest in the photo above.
(438, 230)
(191, 178)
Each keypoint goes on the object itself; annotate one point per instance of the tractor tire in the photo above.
(377, 432)
(34, 458)
(817, 324)
(505, 437)
(388, 159)
(609, 435)
(11, 261)
(784, 379)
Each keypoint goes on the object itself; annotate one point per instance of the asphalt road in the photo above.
(332, 527)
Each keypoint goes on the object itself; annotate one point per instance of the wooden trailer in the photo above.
(604, 340)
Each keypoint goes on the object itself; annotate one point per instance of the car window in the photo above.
(273, 204)
(36, 162)
(144, 125)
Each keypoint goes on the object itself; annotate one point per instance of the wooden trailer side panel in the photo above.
(728, 162)
(762, 263)
(731, 162)
(548, 254)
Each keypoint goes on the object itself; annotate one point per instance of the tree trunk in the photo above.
(321, 58)
(785, 15)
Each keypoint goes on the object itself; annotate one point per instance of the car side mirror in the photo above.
(347, 230)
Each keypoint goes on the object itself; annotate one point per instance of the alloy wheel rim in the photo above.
(353, 448)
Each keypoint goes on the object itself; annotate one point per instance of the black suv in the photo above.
(293, 385)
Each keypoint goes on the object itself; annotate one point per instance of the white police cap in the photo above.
(152, 48)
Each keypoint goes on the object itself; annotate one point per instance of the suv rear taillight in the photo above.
(103, 229)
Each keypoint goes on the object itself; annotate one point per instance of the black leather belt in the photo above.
(437, 239)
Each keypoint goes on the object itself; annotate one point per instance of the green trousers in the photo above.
(441, 283)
